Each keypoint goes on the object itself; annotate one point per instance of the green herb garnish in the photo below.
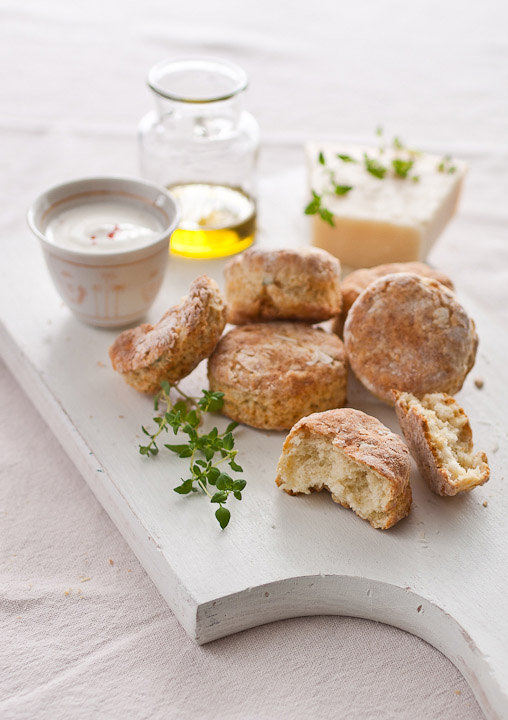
(315, 207)
(346, 158)
(185, 417)
(402, 167)
(374, 167)
(342, 189)
(446, 166)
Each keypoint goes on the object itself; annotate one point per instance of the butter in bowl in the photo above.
(105, 242)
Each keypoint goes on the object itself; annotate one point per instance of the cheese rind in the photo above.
(381, 220)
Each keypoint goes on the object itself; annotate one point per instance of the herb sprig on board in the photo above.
(206, 451)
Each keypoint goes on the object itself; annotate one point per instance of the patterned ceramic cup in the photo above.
(107, 289)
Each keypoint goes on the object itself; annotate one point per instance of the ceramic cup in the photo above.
(107, 289)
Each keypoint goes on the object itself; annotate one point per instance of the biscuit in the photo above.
(406, 332)
(439, 436)
(272, 374)
(361, 462)
(356, 282)
(171, 349)
(264, 285)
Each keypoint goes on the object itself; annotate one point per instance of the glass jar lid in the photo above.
(197, 79)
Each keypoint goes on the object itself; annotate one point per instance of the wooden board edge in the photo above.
(132, 529)
(362, 598)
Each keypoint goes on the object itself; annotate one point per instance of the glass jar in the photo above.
(202, 145)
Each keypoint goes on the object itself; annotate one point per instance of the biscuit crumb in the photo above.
(100, 363)
(111, 562)
(485, 503)
(68, 592)
(479, 382)
(85, 579)
(129, 570)
(457, 692)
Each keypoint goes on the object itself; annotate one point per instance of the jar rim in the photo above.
(233, 77)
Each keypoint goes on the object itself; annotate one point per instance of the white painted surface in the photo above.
(281, 556)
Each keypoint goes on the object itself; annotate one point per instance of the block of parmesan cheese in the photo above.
(392, 219)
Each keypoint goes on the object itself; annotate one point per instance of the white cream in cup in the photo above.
(105, 242)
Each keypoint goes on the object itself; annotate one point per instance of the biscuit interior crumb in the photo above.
(452, 447)
(310, 464)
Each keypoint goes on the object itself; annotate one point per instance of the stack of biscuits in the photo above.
(399, 326)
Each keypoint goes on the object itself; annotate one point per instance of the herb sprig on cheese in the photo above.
(401, 167)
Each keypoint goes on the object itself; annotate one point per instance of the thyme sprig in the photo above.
(446, 165)
(401, 166)
(316, 207)
(374, 167)
(185, 417)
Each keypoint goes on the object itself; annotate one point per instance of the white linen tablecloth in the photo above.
(83, 632)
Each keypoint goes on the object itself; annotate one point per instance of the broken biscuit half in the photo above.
(168, 351)
(441, 441)
(353, 455)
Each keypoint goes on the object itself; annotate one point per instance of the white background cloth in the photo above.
(83, 631)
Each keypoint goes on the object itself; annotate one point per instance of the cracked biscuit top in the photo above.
(173, 347)
(406, 332)
(271, 355)
(300, 284)
(273, 374)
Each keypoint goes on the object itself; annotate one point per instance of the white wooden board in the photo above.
(440, 574)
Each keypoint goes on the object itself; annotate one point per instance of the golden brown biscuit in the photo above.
(356, 282)
(171, 349)
(406, 332)
(272, 374)
(301, 284)
(360, 461)
(441, 441)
